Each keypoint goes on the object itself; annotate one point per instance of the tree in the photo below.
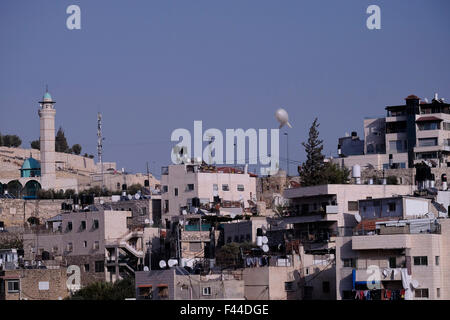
(35, 144)
(60, 141)
(311, 170)
(101, 290)
(10, 141)
(229, 254)
(76, 148)
(134, 188)
(314, 171)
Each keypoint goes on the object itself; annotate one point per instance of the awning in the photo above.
(428, 118)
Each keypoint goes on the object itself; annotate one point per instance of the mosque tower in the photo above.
(47, 141)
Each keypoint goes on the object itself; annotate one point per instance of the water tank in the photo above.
(356, 171)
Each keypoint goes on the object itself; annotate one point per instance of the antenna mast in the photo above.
(100, 144)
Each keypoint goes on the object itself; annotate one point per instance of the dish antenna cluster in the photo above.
(261, 241)
(170, 263)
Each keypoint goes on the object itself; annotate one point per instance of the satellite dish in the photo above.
(265, 248)
(162, 264)
(130, 197)
(414, 284)
(357, 218)
(232, 215)
(265, 240)
(137, 196)
(146, 268)
(147, 221)
(102, 202)
(172, 262)
(190, 263)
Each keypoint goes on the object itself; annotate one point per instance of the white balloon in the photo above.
(283, 118)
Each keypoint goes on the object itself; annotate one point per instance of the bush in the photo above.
(120, 290)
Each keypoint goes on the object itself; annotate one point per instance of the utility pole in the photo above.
(148, 178)
(100, 145)
(287, 153)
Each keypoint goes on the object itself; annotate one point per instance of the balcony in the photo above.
(386, 274)
(330, 209)
(438, 147)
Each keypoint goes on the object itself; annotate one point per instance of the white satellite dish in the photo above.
(137, 196)
(232, 215)
(147, 221)
(414, 284)
(172, 262)
(357, 218)
(146, 268)
(265, 240)
(102, 202)
(265, 248)
(190, 263)
(162, 264)
(130, 197)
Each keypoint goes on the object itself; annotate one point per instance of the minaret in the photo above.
(47, 140)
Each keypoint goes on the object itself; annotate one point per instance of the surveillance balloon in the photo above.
(282, 117)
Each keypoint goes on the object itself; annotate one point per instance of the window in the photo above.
(206, 291)
(289, 286)
(96, 245)
(353, 206)
(240, 187)
(326, 287)
(190, 187)
(225, 187)
(84, 244)
(118, 186)
(421, 261)
(349, 263)
(163, 292)
(69, 226)
(438, 292)
(229, 240)
(421, 293)
(215, 187)
(392, 262)
(166, 205)
(397, 146)
(86, 267)
(195, 246)
(145, 292)
(99, 266)
(392, 207)
(176, 192)
(165, 189)
(13, 286)
(69, 246)
(436, 260)
(95, 225)
(83, 225)
(427, 142)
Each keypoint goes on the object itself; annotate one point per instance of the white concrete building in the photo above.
(182, 183)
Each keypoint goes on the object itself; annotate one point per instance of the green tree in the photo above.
(101, 290)
(311, 170)
(76, 148)
(229, 254)
(35, 144)
(61, 141)
(134, 188)
(314, 171)
(11, 141)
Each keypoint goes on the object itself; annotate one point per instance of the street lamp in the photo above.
(287, 153)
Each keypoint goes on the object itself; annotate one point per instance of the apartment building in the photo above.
(410, 133)
(178, 284)
(398, 251)
(97, 240)
(185, 186)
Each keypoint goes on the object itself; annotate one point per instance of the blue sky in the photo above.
(153, 66)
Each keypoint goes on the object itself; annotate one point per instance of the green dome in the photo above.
(31, 163)
(47, 96)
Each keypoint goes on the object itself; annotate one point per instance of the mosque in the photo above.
(35, 174)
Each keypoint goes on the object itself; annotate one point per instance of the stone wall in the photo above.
(34, 282)
(12, 210)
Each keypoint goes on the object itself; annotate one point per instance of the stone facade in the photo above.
(14, 212)
(34, 284)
